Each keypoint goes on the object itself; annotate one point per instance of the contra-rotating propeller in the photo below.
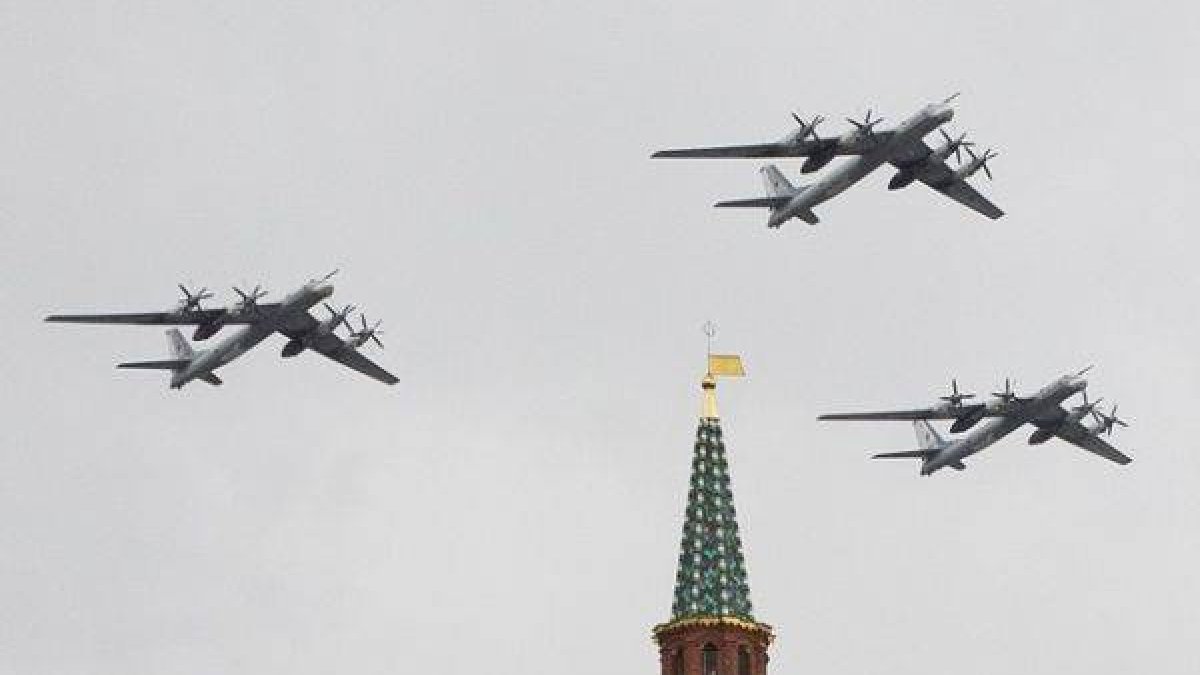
(1088, 407)
(867, 126)
(1007, 396)
(191, 301)
(367, 332)
(956, 144)
(339, 318)
(250, 300)
(808, 128)
(978, 162)
(955, 398)
(1107, 421)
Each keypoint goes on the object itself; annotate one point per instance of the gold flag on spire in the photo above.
(725, 365)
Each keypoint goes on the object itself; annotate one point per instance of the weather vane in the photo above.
(710, 330)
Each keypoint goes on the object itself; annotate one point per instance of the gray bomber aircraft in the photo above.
(1006, 413)
(903, 147)
(258, 321)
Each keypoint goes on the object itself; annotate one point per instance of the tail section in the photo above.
(928, 438)
(776, 183)
(780, 194)
(931, 443)
(178, 345)
(182, 356)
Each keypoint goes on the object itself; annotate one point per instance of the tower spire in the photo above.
(712, 630)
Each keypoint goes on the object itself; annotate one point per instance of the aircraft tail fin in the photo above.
(178, 345)
(776, 183)
(181, 356)
(928, 438)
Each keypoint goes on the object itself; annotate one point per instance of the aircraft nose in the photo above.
(325, 290)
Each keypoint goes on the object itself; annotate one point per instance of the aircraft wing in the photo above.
(789, 148)
(938, 176)
(895, 415)
(1076, 434)
(332, 347)
(175, 318)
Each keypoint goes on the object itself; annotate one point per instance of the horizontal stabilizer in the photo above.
(760, 202)
(907, 454)
(168, 364)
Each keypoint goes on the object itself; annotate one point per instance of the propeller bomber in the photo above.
(867, 146)
(256, 321)
(1006, 412)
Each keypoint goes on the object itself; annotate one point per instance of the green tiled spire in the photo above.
(711, 581)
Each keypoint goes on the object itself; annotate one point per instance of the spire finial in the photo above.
(718, 365)
(710, 330)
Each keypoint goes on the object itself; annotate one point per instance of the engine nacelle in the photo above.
(206, 330)
(1041, 436)
(903, 178)
(969, 418)
(816, 161)
(293, 347)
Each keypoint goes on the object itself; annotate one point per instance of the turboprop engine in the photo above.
(818, 160)
(207, 330)
(191, 303)
(1077, 413)
(903, 178)
(326, 327)
(977, 162)
(952, 146)
(965, 416)
(862, 131)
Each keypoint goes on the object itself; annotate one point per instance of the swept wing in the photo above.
(789, 148)
(936, 174)
(332, 347)
(190, 318)
(897, 415)
(1079, 436)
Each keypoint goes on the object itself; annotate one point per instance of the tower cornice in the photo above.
(665, 630)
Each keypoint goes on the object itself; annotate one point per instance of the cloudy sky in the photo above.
(480, 174)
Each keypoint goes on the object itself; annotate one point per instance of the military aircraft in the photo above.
(903, 147)
(1007, 412)
(258, 320)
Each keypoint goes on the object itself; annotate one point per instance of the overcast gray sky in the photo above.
(480, 173)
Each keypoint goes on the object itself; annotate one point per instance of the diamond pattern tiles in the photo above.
(711, 581)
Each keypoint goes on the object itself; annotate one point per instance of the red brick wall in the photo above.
(689, 641)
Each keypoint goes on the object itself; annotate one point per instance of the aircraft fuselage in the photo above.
(1045, 403)
(857, 167)
(250, 335)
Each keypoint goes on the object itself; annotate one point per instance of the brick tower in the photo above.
(712, 630)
